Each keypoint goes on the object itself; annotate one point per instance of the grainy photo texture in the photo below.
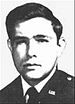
(35, 42)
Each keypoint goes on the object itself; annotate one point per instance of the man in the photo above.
(35, 43)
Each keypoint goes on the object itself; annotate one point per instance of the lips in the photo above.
(29, 64)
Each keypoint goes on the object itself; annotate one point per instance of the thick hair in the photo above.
(29, 11)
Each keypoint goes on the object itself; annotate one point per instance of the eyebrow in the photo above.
(39, 36)
(19, 37)
(35, 37)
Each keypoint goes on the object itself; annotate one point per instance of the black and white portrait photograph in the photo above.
(37, 52)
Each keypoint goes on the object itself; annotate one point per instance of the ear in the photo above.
(61, 46)
(9, 44)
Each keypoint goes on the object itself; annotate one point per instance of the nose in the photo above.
(32, 48)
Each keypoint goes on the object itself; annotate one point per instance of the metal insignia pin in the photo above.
(51, 92)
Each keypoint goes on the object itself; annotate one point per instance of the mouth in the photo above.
(29, 64)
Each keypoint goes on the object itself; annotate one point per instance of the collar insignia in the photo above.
(51, 92)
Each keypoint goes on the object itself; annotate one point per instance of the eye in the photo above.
(42, 40)
(16, 43)
(19, 42)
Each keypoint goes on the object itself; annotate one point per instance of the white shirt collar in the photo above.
(39, 86)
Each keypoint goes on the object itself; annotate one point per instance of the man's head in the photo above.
(34, 40)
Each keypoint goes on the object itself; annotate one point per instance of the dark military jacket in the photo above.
(58, 90)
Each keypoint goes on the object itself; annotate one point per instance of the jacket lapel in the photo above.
(16, 91)
(49, 91)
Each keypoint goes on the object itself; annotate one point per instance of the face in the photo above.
(34, 49)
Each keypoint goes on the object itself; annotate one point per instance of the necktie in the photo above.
(31, 96)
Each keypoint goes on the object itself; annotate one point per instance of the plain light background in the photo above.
(63, 10)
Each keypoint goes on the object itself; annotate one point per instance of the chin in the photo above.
(34, 78)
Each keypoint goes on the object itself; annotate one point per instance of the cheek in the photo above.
(51, 52)
(19, 54)
(21, 51)
(48, 51)
(48, 54)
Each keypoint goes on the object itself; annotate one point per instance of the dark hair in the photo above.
(28, 11)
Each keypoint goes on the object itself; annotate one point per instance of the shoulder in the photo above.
(9, 90)
(65, 86)
(63, 79)
(66, 78)
(14, 83)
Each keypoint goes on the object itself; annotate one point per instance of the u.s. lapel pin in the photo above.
(51, 92)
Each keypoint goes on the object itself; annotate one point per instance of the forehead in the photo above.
(35, 26)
